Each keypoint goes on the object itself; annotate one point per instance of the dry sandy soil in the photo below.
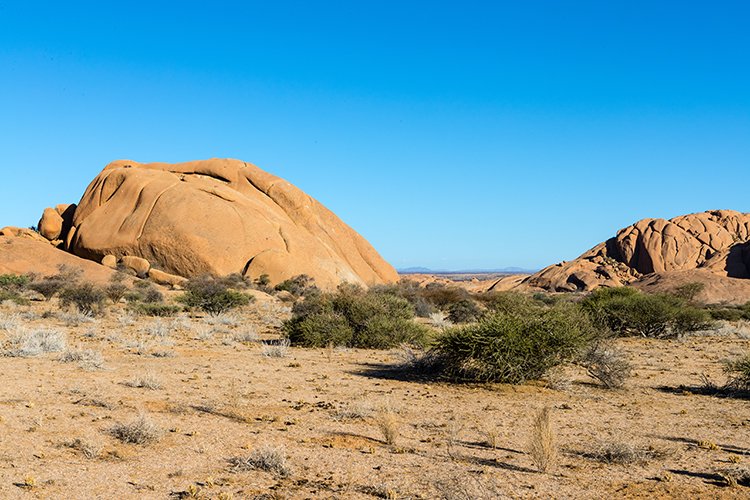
(216, 394)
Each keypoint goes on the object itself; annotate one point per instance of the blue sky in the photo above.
(450, 134)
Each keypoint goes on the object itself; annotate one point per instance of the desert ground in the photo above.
(342, 423)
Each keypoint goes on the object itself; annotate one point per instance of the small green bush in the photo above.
(14, 282)
(689, 291)
(509, 302)
(87, 297)
(212, 295)
(48, 286)
(512, 348)
(354, 318)
(155, 309)
(297, 286)
(464, 311)
(739, 373)
(626, 311)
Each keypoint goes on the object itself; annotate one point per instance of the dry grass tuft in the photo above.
(735, 476)
(277, 350)
(266, 458)
(146, 381)
(139, 431)
(389, 426)
(86, 358)
(542, 447)
(29, 343)
(87, 449)
(624, 453)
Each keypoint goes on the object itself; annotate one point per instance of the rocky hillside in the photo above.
(713, 242)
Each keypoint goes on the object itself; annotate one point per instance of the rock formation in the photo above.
(216, 216)
(714, 241)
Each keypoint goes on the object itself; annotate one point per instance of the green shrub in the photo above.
(297, 286)
(726, 314)
(411, 291)
(154, 309)
(509, 302)
(48, 286)
(442, 296)
(739, 373)
(512, 348)
(626, 311)
(691, 319)
(354, 318)
(14, 282)
(464, 311)
(212, 295)
(87, 297)
(689, 291)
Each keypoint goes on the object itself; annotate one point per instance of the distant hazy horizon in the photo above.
(478, 135)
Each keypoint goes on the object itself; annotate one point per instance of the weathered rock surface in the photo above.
(55, 222)
(711, 240)
(166, 279)
(221, 217)
(136, 264)
(51, 224)
(717, 289)
(109, 261)
(21, 253)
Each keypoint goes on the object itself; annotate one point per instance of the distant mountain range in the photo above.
(503, 270)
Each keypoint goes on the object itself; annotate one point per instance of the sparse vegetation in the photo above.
(542, 447)
(739, 373)
(28, 343)
(139, 431)
(87, 297)
(607, 364)
(146, 381)
(389, 426)
(279, 349)
(620, 453)
(298, 286)
(86, 358)
(353, 317)
(212, 295)
(626, 311)
(266, 458)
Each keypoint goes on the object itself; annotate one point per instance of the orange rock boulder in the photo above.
(713, 240)
(219, 216)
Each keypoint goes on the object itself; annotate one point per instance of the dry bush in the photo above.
(542, 447)
(439, 320)
(27, 343)
(354, 410)
(157, 328)
(735, 476)
(624, 453)
(266, 458)
(139, 431)
(9, 322)
(607, 364)
(87, 449)
(389, 426)
(492, 436)
(146, 381)
(468, 487)
(247, 335)
(739, 373)
(75, 318)
(86, 358)
(278, 350)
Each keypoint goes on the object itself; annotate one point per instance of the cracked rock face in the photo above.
(221, 217)
(714, 241)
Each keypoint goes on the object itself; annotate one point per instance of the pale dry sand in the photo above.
(220, 398)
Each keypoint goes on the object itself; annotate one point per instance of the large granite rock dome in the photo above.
(218, 216)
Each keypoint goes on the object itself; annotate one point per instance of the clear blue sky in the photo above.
(450, 134)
